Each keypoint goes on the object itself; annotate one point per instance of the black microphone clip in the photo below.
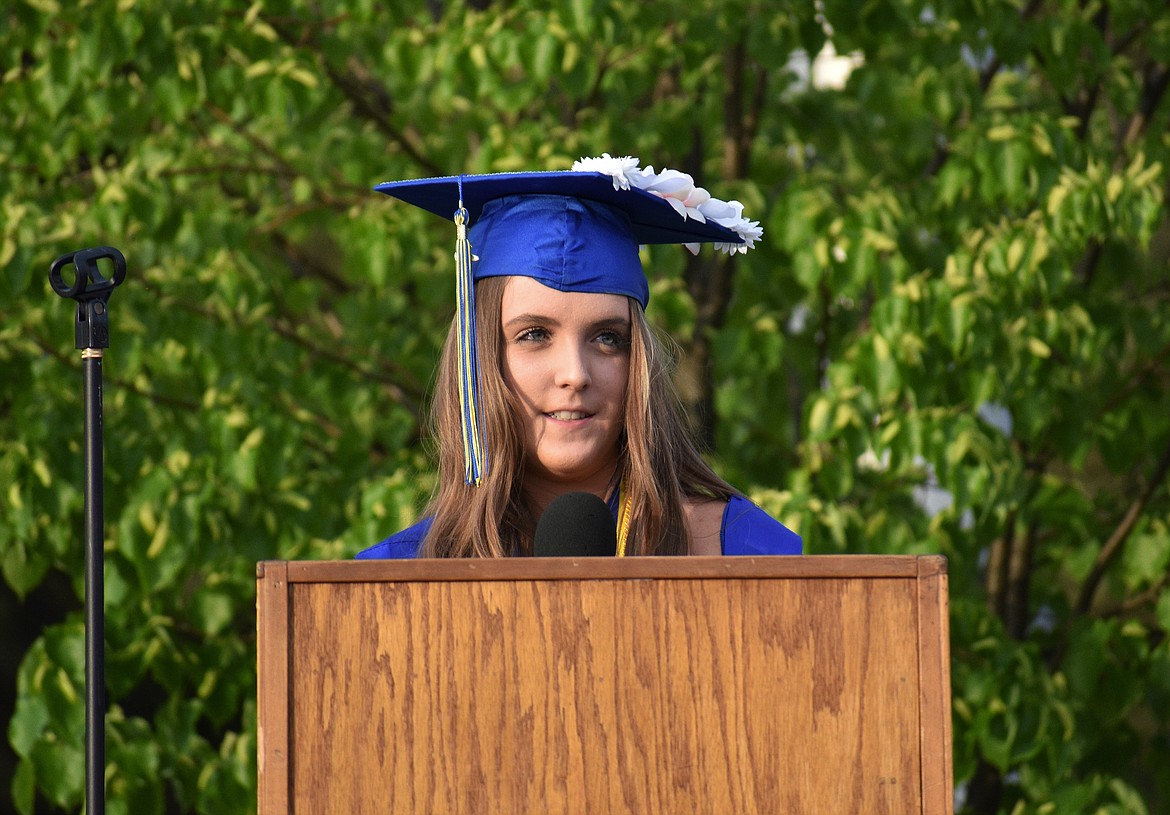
(91, 290)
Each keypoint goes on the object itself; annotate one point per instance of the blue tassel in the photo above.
(474, 451)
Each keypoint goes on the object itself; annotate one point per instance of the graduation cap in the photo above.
(577, 230)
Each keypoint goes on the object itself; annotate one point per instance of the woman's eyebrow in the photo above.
(530, 318)
(611, 322)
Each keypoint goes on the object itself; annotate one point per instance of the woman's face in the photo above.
(567, 359)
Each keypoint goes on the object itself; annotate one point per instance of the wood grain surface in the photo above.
(806, 692)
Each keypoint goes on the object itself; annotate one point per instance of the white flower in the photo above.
(720, 211)
(667, 182)
(678, 189)
(620, 169)
(729, 214)
(750, 231)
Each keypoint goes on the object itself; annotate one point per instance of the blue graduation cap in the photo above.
(577, 230)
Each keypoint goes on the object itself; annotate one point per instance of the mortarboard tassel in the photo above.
(625, 504)
(474, 452)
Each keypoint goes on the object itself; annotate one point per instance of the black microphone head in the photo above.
(576, 524)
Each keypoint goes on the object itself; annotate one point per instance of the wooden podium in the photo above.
(647, 685)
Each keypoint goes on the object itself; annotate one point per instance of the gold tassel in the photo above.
(474, 452)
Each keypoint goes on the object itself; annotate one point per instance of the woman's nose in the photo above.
(572, 367)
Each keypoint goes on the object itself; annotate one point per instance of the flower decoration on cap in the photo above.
(679, 190)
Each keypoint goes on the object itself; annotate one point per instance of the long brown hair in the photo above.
(660, 462)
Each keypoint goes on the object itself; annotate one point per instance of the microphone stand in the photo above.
(92, 332)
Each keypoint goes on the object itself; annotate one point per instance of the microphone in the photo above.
(576, 524)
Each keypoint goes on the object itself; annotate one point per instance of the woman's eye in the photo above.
(613, 339)
(532, 335)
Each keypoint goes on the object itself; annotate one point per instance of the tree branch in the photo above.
(410, 399)
(1135, 380)
(1086, 267)
(710, 281)
(1114, 545)
(733, 69)
(362, 91)
(998, 566)
(1132, 604)
(1155, 80)
(986, 76)
(371, 99)
(112, 381)
(1019, 581)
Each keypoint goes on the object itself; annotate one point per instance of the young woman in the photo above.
(551, 380)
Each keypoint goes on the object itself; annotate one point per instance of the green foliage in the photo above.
(952, 338)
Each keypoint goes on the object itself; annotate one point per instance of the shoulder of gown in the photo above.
(404, 544)
(748, 530)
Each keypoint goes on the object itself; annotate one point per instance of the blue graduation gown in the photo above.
(746, 530)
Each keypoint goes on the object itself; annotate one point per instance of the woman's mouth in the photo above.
(568, 415)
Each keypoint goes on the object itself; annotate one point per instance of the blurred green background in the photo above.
(955, 336)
